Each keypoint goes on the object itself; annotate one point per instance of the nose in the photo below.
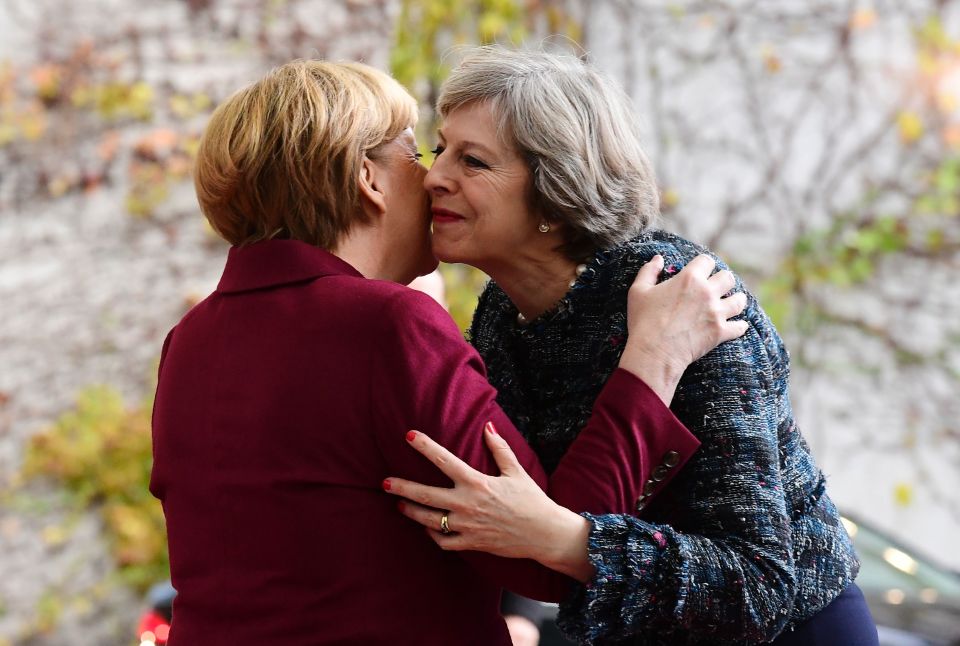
(438, 181)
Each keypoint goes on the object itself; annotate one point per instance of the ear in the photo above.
(372, 198)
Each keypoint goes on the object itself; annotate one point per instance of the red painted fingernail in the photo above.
(491, 428)
(386, 485)
(411, 436)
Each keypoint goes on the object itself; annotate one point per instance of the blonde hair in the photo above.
(281, 158)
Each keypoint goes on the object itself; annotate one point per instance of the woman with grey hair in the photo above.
(541, 182)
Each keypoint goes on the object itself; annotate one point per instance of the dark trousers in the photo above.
(845, 621)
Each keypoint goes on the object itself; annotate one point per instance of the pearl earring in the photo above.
(544, 227)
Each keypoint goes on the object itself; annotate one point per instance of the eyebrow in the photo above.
(465, 143)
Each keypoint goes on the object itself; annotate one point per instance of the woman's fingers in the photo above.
(722, 282)
(733, 305)
(649, 274)
(429, 517)
(504, 456)
(437, 497)
(731, 330)
(452, 466)
(451, 542)
(701, 266)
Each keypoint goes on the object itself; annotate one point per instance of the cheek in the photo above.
(452, 245)
(504, 225)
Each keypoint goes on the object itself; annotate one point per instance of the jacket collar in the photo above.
(278, 262)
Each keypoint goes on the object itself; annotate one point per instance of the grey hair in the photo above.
(577, 130)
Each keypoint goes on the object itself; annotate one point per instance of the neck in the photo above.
(363, 248)
(535, 284)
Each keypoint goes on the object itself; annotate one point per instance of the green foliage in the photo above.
(428, 30)
(843, 255)
(847, 253)
(49, 609)
(942, 197)
(101, 453)
(115, 100)
(161, 159)
(463, 285)
(427, 27)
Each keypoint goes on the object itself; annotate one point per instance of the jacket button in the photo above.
(659, 473)
(671, 458)
(649, 488)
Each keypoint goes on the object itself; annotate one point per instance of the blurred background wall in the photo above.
(814, 144)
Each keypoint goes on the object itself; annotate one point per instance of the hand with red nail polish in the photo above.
(508, 515)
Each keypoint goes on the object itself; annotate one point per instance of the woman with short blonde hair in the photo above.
(280, 159)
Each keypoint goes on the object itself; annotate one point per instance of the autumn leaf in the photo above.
(670, 199)
(951, 135)
(54, 535)
(910, 127)
(863, 18)
(109, 145)
(771, 60)
(8, 133)
(47, 81)
(903, 494)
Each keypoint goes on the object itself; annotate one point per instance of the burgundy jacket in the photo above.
(283, 402)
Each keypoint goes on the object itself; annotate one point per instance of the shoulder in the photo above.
(676, 251)
(493, 308)
(374, 305)
(402, 305)
(612, 270)
(415, 326)
(762, 337)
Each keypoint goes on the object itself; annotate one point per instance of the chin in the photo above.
(429, 265)
(444, 254)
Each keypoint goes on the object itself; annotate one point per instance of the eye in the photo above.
(473, 162)
(418, 156)
(438, 150)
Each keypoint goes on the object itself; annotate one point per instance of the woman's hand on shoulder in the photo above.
(674, 323)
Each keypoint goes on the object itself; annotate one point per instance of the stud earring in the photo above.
(544, 227)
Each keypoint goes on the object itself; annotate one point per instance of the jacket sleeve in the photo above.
(722, 570)
(431, 380)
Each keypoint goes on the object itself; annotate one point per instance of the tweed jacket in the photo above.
(745, 542)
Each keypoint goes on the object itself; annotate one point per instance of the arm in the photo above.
(436, 383)
(584, 480)
(664, 338)
(729, 573)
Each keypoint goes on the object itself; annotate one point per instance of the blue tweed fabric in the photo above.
(745, 542)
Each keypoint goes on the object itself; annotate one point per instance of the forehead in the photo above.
(478, 122)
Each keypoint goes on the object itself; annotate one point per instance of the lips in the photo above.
(443, 215)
